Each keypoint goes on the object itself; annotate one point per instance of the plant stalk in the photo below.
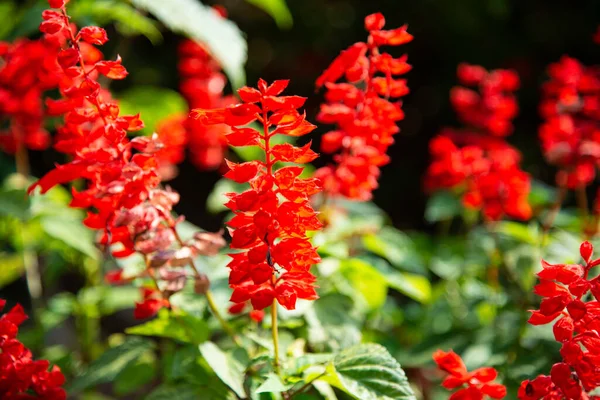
(275, 335)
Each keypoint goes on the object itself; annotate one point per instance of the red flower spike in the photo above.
(479, 383)
(124, 198)
(22, 377)
(57, 3)
(476, 162)
(366, 118)
(270, 230)
(564, 288)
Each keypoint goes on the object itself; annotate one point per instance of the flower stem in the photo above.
(275, 334)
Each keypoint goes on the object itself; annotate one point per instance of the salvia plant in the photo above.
(308, 291)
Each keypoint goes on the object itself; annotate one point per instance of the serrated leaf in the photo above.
(441, 206)
(153, 104)
(111, 363)
(277, 9)
(180, 326)
(224, 39)
(229, 370)
(369, 372)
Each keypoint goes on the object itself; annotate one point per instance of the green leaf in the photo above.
(272, 384)
(153, 104)
(277, 9)
(11, 268)
(178, 326)
(369, 372)
(224, 39)
(228, 369)
(128, 20)
(442, 205)
(332, 323)
(14, 201)
(541, 194)
(186, 391)
(135, 376)
(71, 232)
(366, 280)
(111, 363)
(414, 286)
(7, 17)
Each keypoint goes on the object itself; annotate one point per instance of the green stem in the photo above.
(275, 335)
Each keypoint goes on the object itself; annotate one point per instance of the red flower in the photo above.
(475, 162)
(479, 383)
(365, 119)
(571, 110)
(123, 197)
(202, 84)
(272, 217)
(22, 377)
(564, 288)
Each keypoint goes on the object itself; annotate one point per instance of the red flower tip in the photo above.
(374, 22)
(586, 250)
(257, 315)
(57, 3)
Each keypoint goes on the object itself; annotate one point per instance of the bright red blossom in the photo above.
(476, 162)
(272, 217)
(479, 383)
(365, 118)
(22, 377)
(124, 199)
(566, 290)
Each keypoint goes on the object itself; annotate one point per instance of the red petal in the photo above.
(244, 172)
(93, 35)
(209, 117)
(374, 22)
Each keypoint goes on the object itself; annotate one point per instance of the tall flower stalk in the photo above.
(272, 217)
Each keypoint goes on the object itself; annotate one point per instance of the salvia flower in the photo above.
(272, 217)
(28, 68)
(124, 199)
(363, 110)
(476, 385)
(22, 377)
(202, 85)
(570, 298)
(571, 112)
(475, 162)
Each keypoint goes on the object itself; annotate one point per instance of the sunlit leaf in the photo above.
(228, 369)
(277, 9)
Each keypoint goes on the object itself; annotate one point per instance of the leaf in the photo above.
(71, 232)
(366, 280)
(178, 326)
(272, 384)
(277, 9)
(128, 20)
(441, 206)
(369, 372)
(229, 370)
(186, 391)
(414, 286)
(224, 39)
(541, 194)
(331, 322)
(111, 363)
(7, 17)
(14, 201)
(11, 268)
(135, 376)
(153, 104)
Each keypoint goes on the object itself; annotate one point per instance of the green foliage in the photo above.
(153, 104)
(442, 206)
(111, 363)
(201, 23)
(227, 368)
(174, 325)
(369, 372)
(277, 9)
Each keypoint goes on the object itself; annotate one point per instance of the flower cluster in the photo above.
(123, 197)
(476, 162)
(22, 377)
(479, 383)
(202, 84)
(572, 297)
(272, 217)
(362, 111)
(28, 68)
(571, 112)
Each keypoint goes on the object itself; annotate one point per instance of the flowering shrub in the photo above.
(318, 295)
